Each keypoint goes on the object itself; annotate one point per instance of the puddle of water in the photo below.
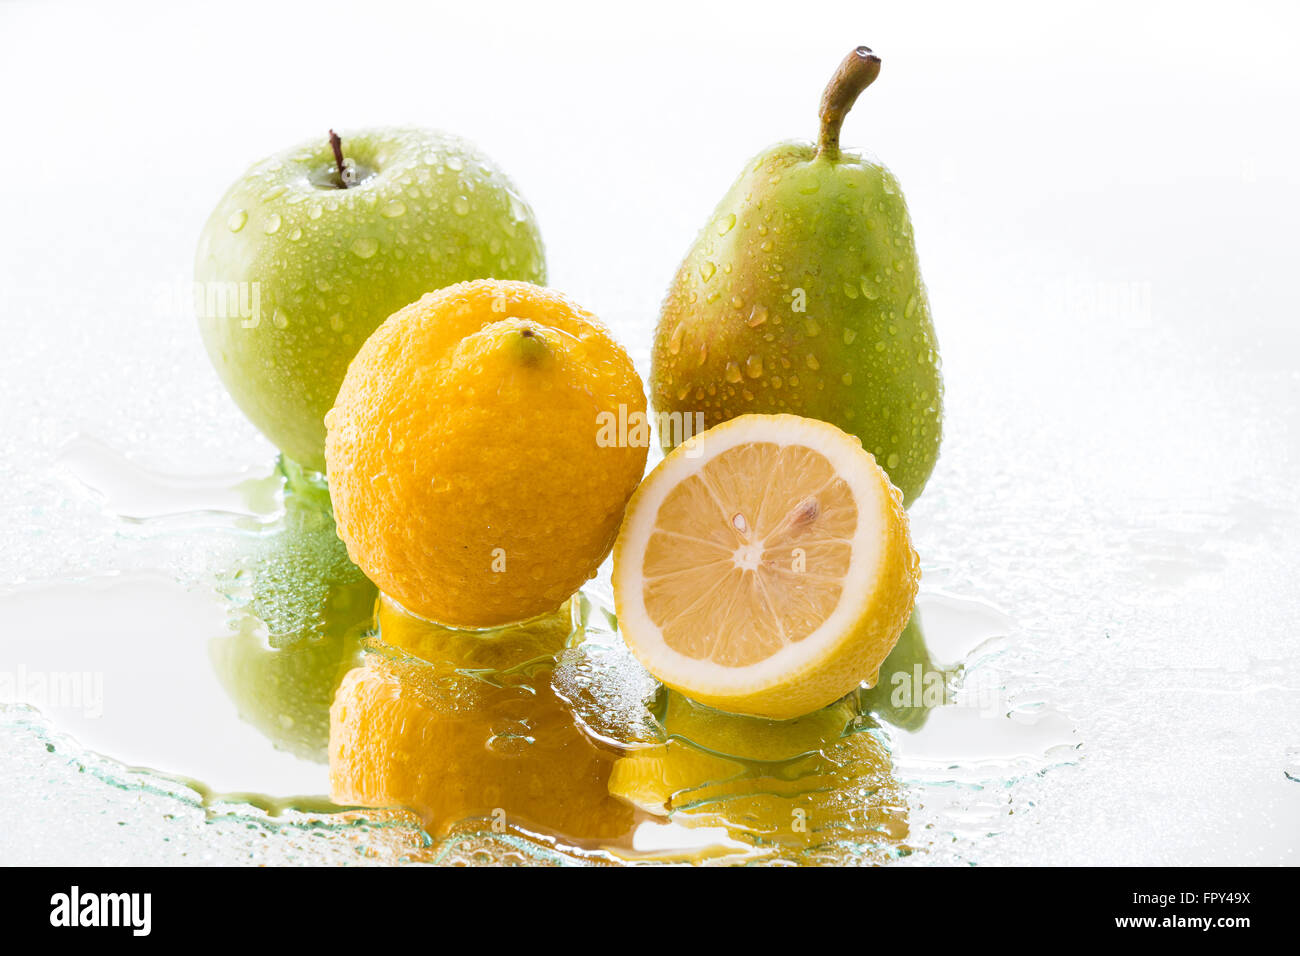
(122, 664)
(137, 495)
(276, 679)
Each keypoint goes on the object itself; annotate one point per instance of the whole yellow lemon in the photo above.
(474, 473)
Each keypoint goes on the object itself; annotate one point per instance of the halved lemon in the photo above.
(765, 567)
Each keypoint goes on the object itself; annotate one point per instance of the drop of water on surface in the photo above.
(811, 362)
(364, 247)
(757, 317)
(272, 224)
(811, 327)
(314, 211)
(732, 373)
(460, 205)
(237, 220)
(849, 336)
(707, 270)
(280, 320)
(675, 340)
(392, 210)
(726, 224)
(455, 163)
(754, 366)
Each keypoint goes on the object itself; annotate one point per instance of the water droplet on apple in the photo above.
(754, 366)
(272, 224)
(364, 247)
(460, 205)
(237, 220)
(393, 210)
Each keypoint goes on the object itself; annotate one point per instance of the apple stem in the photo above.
(336, 144)
(856, 72)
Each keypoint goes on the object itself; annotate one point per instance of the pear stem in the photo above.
(336, 144)
(855, 74)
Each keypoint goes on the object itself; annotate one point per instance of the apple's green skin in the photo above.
(300, 631)
(803, 295)
(294, 273)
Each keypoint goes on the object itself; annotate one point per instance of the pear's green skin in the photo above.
(802, 294)
(325, 265)
(298, 633)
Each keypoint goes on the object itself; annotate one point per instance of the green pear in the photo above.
(802, 294)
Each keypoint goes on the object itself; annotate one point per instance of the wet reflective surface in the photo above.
(1103, 665)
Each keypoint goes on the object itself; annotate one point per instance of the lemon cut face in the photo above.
(765, 567)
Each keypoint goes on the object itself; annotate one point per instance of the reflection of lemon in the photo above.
(473, 475)
(801, 783)
(471, 730)
(766, 567)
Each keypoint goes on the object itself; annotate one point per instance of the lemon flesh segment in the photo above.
(765, 568)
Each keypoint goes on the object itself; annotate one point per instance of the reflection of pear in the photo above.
(299, 632)
(795, 785)
(910, 683)
(457, 725)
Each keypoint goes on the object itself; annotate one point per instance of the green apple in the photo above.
(312, 248)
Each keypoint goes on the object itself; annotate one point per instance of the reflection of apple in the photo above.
(295, 268)
(299, 633)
